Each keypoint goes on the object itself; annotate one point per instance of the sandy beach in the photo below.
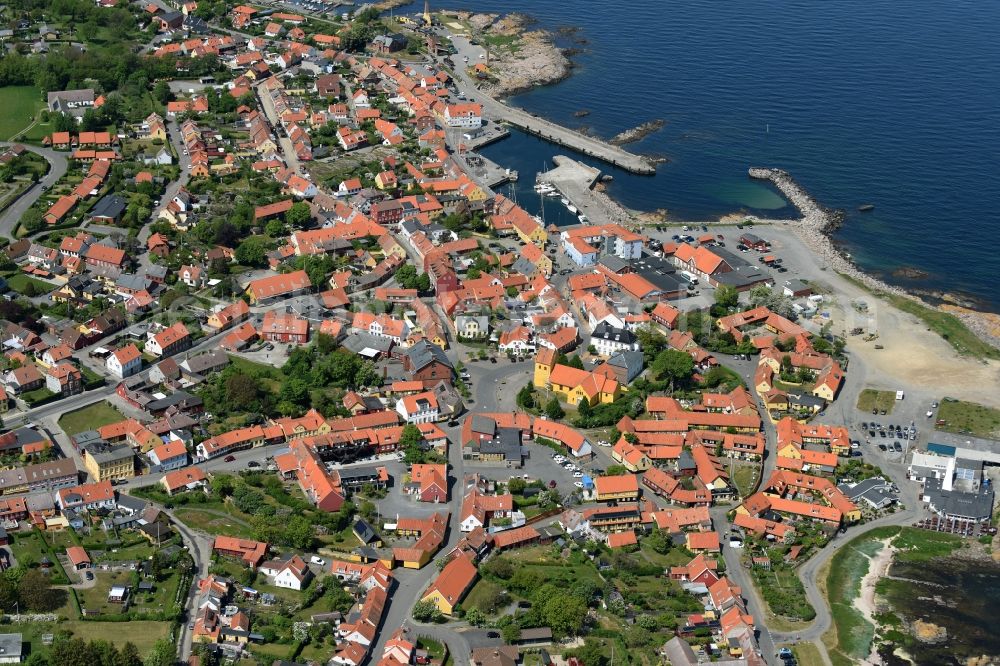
(878, 566)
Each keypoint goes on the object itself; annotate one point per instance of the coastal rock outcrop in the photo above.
(928, 632)
(637, 133)
(520, 59)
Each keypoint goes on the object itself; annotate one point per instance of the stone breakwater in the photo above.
(637, 133)
(814, 228)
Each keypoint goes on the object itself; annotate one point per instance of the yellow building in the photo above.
(529, 230)
(452, 584)
(571, 384)
(617, 488)
(544, 360)
(110, 464)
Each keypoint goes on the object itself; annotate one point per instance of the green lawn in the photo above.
(20, 282)
(89, 418)
(807, 654)
(96, 597)
(482, 595)
(969, 418)
(212, 523)
(745, 478)
(142, 633)
(27, 546)
(874, 399)
(20, 105)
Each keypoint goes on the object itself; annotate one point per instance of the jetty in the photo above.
(499, 112)
(575, 181)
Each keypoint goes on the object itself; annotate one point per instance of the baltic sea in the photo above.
(890, 102)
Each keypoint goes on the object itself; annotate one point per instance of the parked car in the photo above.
(317, 560)
(229, 458)
(253, 463)
(883, 447)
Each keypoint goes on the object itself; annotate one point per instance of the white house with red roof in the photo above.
(419, 408)
(124, 362)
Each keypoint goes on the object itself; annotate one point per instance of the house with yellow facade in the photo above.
(624, 487)
(109, 464)
(452, 584)
(573, 385)
(529, 230)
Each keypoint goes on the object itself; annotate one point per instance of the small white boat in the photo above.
(583, 218)
(552, 194)
(565, 201)
(544, 188)
(573, 209)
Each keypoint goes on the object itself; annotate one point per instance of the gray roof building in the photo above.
(632, 362)
(974, 506)
(11, 646)
(423, 353)
(110, 207)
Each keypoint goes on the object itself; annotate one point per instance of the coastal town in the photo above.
(290, 378)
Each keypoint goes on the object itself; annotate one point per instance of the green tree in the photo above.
(673, 365)
(36, 593)
(274, 228)
(475, 617)
(616, 470)
(516, 486)
(554, 410)
(727, 296)
(164, 653)
(336, 597)
(575, 361)
(426, 611)
(252, 252)
(299, 214)
(526, 397)
(565, 613)
(161, 92)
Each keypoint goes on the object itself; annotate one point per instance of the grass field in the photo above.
(807, 654)
(20, 282)
(969, 418)
(482, 595)
(874, 399)
(143, 633)
(213, 523)
(20, 105)
(89, 418)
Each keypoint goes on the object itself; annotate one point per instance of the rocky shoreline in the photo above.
(814, 229)
(536, 60)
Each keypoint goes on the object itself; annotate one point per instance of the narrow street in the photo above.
(58, 165)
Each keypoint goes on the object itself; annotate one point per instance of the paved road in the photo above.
(284, 143)
(57, 169)
(410, 585)
(172, 188)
